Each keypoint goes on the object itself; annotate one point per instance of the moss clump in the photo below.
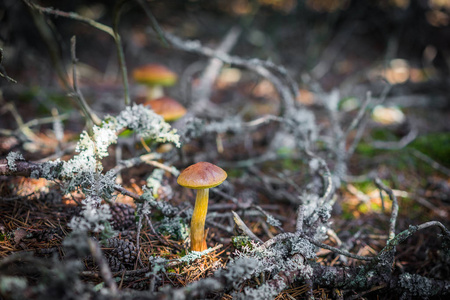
(241, 241)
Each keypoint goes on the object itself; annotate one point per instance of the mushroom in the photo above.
(201, 176)
(168, 108)
(155, 77)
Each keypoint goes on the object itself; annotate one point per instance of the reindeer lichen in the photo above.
(35, 174)
(176, 227)
(154, 181)
(272, 221)
(264, 292)
(238, 270)
(11, 158)
(302, 124)
(164, 207)
(84, 171)
(193, 128)
(193, 255)
(304, 247)
(147, 124)
(12, 285)
(416, 285)
(93, 215)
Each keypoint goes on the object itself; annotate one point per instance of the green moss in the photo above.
(285, 152)
(363, 208)
(346, 215)
(290, 164)
(383, 134)
(126, 133)
(348, 104)
(347, 212)
(239, 242)
(365, 186)
(182, 253)
(375, 207)
(366, 149)
(235, 173)
(42, 101)
(435, 145)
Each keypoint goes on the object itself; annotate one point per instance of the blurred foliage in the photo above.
(435, 145)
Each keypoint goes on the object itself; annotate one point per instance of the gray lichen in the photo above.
(264, 292)
(34, 174)
(238, 270)
(193, 128)
(272, 221)
(417, 285)
(195, 255)
(147, 124)
(176, 227)
(11, 159)
(12, 285)
(164, 207)
(84, 170)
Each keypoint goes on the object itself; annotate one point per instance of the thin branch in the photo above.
(202, 92)
(118, 41)
(158, 236)
(3, 71)
(104, 268)
(363, 123)
(154, 23)
(132, 162)
(404, 141)
(404, 235)
(361, 113)
(23, 127)
(113, 33)
(244, 228)
(394, 212)
(300, 218)
(434, 164)
(70, 15)
(89, 114)
(128, 193)
(138, 245)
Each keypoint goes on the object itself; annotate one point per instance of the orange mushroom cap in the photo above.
(202, 175)
(166, 107)
(154, 74)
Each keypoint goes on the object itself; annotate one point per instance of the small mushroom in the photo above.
(155, 77)
(168, 108)
(201, 176)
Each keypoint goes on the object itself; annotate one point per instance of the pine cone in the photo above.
(114, 263)
(124, 250)
(122, 216)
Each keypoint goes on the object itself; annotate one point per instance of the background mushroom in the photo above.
(168, 108)
(201, 176)
(155, 77)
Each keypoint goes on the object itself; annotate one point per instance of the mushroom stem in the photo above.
(198, 242)
(154, 92)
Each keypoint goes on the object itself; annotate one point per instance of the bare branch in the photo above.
(244, 228)
(89, 114)
(394, 212)
(104, 268)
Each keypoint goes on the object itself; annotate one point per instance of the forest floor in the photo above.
(406, 143)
